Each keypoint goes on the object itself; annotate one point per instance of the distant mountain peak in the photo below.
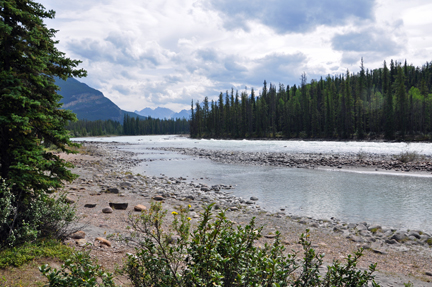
(163, 113)
(88, 103)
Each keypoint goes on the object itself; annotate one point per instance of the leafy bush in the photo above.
(218, 254)
(45, 216)
(79, 270)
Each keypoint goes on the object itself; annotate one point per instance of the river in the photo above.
(399, 201)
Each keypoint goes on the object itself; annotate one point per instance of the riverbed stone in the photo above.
(107, 210)
(114, 190)
(78, 235)
(254, 198)
(103, 241)
(361, 227)
(139, 207)
(399, 236)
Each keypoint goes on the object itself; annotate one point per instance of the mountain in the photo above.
(88, 103)
(163, 113)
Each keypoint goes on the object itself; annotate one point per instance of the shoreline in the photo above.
(105, 166)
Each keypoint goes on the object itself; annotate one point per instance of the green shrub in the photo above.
(45, 216)
(216, 253)
(79, 270)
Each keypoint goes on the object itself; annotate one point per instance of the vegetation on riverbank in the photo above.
(130, 126)
(390, 103)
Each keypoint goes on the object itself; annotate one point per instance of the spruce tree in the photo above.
(30, 115)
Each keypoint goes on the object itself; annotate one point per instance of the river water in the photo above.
(399, 201)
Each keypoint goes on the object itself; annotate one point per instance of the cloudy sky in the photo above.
(165, 53)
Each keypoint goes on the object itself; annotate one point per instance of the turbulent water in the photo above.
(403, 202)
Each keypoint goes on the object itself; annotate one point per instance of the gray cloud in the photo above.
(374, 43)
(279, 68)
(287, 16)
(119, 48)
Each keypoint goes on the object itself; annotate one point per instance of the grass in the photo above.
(19, 266)
(44, 248)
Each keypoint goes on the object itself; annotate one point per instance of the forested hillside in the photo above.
(391, 102)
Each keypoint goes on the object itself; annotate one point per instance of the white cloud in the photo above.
(168, 52)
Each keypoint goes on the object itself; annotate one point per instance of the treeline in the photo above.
(131, 126)
(390, 102)
(83, 128)
(150, 126)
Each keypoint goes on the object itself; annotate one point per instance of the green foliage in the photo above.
(79, 270)
(216, 253)
(19, 255)
(30, 118)
(369, 104)
(45, 216)
(150, 126)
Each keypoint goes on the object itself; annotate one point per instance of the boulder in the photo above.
(415, 234)
(356, 238)
(254, 198)
(117, 205)
(361, 227)
(125, 184)
(113, 190)
(399, 236)
(107, 210)
(139, 207)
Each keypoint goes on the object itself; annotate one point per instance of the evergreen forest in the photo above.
(131, 126)
(392, 102)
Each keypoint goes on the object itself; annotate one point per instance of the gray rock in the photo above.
(250, 202)
(361, 227)
(107, 210)
(415, 234)
(365, 233)
(113, 190)
(351, 225)
(379, 251)
(399, 236)
(125, 184)
(254, 198)
(356, 238)
(391, 241)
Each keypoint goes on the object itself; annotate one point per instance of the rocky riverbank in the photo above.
(105, 178)
(404, 162)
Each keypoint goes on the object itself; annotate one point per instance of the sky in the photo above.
(165, 53)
